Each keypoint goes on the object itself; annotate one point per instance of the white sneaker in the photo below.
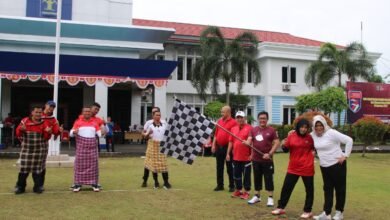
(338, 216)
(270, 202)
(95, 188)
(322, 216)
(254, 200)
(76, 188)
(306, 215)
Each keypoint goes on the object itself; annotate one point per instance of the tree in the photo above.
(332, 62)
(224, 60)
(237, 102)
(213, 109)
(329, 100)
(375, 78)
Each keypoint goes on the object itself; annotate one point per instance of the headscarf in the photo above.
(319, 118)
(301, 123)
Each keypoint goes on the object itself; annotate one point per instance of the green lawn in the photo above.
(368, 193)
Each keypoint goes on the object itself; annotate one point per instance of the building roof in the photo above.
(195, 30)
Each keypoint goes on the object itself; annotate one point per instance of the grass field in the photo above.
(192, 195)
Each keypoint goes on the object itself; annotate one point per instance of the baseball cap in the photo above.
(51, 103)
(240, 113)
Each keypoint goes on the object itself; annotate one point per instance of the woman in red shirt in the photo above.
(301, 164)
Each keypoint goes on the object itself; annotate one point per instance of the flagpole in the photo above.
(251, 146)
(57, 55)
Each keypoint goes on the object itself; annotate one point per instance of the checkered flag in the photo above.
(186, 132)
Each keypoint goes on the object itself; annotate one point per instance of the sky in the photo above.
(336, 21)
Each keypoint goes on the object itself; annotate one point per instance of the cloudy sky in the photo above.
(336, 21)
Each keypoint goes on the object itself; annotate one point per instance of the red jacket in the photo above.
(301, 154)
(32, 126)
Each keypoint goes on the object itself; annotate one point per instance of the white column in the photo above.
(160, 97)
(5, 94)
(135, 107)
(101, 97)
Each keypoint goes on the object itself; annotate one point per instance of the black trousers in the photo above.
(242, 173)
(110, 141)
(335, 179)
(288, 186)
(265, 169)
(220, 156)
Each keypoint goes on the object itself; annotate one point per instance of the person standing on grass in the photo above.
(220, 145)
(86, 169)
(301, 164)
(241, 157)
(155, 161)
(145, 129)
(333, 164)
(265, 139)
(33, 133)
(48, 117)
(109, 135)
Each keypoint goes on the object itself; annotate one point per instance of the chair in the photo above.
(65, 137)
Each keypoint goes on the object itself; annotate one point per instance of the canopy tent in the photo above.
(74, 69)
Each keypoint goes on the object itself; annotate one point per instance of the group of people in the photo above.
(236, 144)
(242, 147)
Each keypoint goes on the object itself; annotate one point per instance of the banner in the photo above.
(368, 99)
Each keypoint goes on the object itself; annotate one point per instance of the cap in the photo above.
(240, 113)
(51, 103)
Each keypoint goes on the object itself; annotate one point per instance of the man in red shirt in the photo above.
(220, 145)
(241, 156)
(265, 139)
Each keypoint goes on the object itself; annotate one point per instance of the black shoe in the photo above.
(167, 186)
(231, 189)
(219, 188)
(144, 184)
(19, 190)
(156, 185)
(38, 190)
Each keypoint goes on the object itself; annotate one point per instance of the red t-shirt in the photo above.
(221, 135)
(241, 152)
(301, 154)
(262, 139)
(31, 126)
(52, 121)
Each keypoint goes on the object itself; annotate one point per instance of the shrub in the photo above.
(282, 130)
(368, 130)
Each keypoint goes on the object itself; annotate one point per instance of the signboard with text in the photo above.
(48, 9)
(368, 99)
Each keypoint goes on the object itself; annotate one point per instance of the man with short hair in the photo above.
(220, 145)
(48, 117)
(95, 108)
(33, 133)
(241, 156)
(265, 139)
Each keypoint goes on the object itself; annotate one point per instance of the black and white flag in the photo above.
(186, 133)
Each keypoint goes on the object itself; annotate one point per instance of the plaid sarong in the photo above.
(86, 170)
(155, 161)
(33, 152)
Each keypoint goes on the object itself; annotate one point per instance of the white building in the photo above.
(101, 28)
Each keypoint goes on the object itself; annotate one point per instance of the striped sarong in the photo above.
(33, 152)
(86, 169)
(155, 161)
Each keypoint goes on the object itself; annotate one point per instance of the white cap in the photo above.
(240, 113)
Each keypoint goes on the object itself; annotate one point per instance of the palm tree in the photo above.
(332, 62)
(224, 60)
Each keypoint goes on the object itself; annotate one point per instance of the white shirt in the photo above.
(149, 122)
(328, 146)
(157, 131)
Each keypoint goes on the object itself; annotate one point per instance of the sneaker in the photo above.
(278, 211)
(236, 194)
(156, 185)
(245, 196)
(219, 188)
(167, 186)
(322, 216)
(144, 184)
(338, 216)
(19, 190)
(72, 187)
(270, 202)
(96, 188)
(37, 190)
(76, 188)
(306, 215)
(254, 200)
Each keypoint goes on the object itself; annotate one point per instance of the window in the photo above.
(180, 70)
(289, 74)
(160, 57)
(189, 68)
(289, 115)
(250, 74)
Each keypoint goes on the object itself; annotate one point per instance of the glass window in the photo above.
(180, 67)
(189, 68)
(284, 74)
(293, 75)
(250, 75)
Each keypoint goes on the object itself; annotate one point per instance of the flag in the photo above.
(186, 133)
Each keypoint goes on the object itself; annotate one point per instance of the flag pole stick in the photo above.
(251, 146)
